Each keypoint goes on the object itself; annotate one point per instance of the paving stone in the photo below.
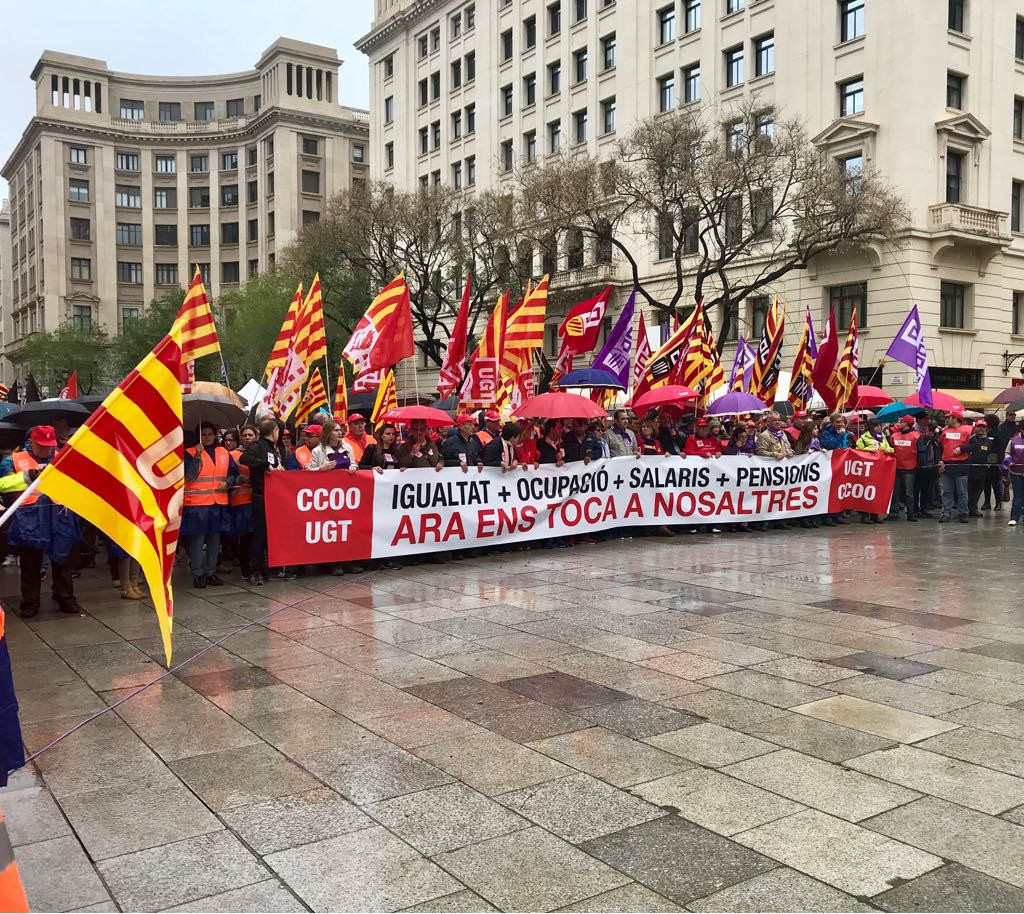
(819, 738)
(469, 698)
(983, 688)
(1000, 650)
(990, 845)
(726, 709)
(456, 902)
(689, 666)
(821, 785)
(991, 750)
(966, 662)
(780, 890)
(530, 870)
(445, 818)
(872, 717)
(31, 815)
(231, 680)
(677, 859)
(987, 716)
(711, 745)
(420, 727)
(901, 695)
(298, 732)
(579, 807)
(561, 691)
(614, 758)
(533, 721)
(172, 874)
(269, 895)
(631, 897)
(952, 888)
(58, 876)
(715, 801)
(843, 855)
(809, 672)
(940, 776)
(365, 870)
(770, 689)
(638, 719)
(287, 821)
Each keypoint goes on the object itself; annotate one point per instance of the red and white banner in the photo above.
(338, 516)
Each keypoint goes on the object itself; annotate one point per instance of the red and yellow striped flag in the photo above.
(315, 396)
(802, 380)
(846, 377)
(387, 397)
(279, 352)
(768, 358)
(525, 326)
(341, 395)
(383, 336)
(310, 338)
(195, 319)
(124, 472)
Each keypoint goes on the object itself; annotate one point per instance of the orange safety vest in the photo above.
(23, 460)
(241, 492)
(12, 892)
(203, 489)
(303, 455)
(357, 448)
(484, 437)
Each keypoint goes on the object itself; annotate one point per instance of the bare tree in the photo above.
(732, 203)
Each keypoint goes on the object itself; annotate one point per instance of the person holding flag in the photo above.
(210, 473)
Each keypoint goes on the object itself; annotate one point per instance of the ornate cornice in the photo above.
(400, 21)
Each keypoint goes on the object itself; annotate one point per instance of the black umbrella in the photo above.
(91, 401)
(1016, 406)
(46, 412)
(11, 436)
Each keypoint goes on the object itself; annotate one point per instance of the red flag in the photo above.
(825, 363)
(383, 336)
(582, 325)
(643, 354)
(483, 385)
(454, 367)
(70, 390)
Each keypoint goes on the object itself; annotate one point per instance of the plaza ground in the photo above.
(804, 720)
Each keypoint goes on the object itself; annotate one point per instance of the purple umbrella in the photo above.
(734, 404)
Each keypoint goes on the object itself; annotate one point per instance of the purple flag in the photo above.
(812, 338)
(742, 367)
(618, 348)
(908, 347)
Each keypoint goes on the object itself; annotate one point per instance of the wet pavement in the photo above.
(801, 720)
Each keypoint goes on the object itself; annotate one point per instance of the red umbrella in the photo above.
(940, 401)
(669, 395)
(871, 396)
(560, 406)
(405, 414)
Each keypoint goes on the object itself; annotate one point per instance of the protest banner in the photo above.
(336, 516)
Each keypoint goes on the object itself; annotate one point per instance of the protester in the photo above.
(672, 442)
(550, 446)
(383, 453)
(904, 444)
(463, 447)
(357, 439)
(597, 432)
(621, 440)
(41, 528)
(648, 444)
(578, 443)
(929, 455)
(261, 457)
(873, 440)
(527, 452)
(500, 451)
(703, 443)
(1014, 462)
(301, 456)
(491, 427)
(740, 442)
(418, 450)
(983, 457)
(332, 452)
(210, 472)
(240, 504)
(953, 467)
(773, 441)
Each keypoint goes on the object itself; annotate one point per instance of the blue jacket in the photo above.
(831, 439)
(45, 525)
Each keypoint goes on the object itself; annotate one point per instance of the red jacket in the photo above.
(951, 439)
(904, 444)
(526, 451)
(696, 446)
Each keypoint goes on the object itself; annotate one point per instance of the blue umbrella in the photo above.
(590, 377)
(897, 409)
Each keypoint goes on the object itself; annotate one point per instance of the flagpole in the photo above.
(6, 515)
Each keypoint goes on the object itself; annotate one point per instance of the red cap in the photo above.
(957, 411)
(465, 417)
(492, 415)
(981, 422)
(313, 430)
(702, 422)
(800, 414)
(356, 417)
(44, 435)
(907, 419)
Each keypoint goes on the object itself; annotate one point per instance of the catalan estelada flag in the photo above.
(341, 395)
(314, 397)
(198, 334)
(310, 337)
(387, 397)
(383, 336)
(124, 471)
(279, 353)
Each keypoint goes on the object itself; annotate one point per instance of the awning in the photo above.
(977, 399)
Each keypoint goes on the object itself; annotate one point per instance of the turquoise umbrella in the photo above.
(897, 409)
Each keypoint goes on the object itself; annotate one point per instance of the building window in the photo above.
(762, 208)
(270, 184)
(435, 134)
(457, 175)
(666, 237)
(956, 15)
(165, 234)
(506, 45)
(554, 136)
(81, 317)
(1017, 317)
(1019, 39)
(455, 25)
(80, 229)
(456, 74)
(554, 78)
(843, 299)
(851, 97)
(456, 125)
(580, 64)
(204, 111)
(733, 66)
(229, 271)
(530, 32)
(691, 83)
(251, 192)
(435, 178)
(424, 90)
(166, 165)
(128, 233)
(229, 195)
(580, 11)
(506, 155)
(579, 120)
(254, 268)
(733, 221)
(469, 16)
(228, 161)
(608, 51)
(166, 274)
(733, 6)
(250, 155)
(952, 296)
(198, 164)
(666, 92)
(470, 171)
(471, 118)
(529, 90)
(667, 24)
(81, 268)
(530, 146)
(310, 182)
(389, 109)
(691, 231)
(424, 140)
(506, 101)
(852, 168)
(169, 111)
(76, 155)
(1015, 193)
(78, 190)
(1018, 118)
(471, 66)
(229, 233)
(435, 39)
(199, 198)
(554, 19)
(764, 55)
(165, 198)
(955, 84)
(129, 313)
(388, 65)
(389, 155)
(199, 235)
(129, 272)
(421, 46)
(435, 86)
(954, 176)
(851, 19)
(608, 115)
(691, 16)
(127, 196)
(252, 230)
(734, 139)
(132, 110)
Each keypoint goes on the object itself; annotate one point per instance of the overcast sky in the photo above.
(179, 38)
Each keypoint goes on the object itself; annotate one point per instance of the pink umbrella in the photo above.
(405, 414)
(669, 395)
(871, 396)
(940, 401)
(560, 406)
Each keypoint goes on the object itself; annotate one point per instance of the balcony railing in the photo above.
(162, 128)
(972, 220)
(595, 273)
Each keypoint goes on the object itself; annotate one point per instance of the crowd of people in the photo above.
(944, 468)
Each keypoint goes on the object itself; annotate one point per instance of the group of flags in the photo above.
(301, 342)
